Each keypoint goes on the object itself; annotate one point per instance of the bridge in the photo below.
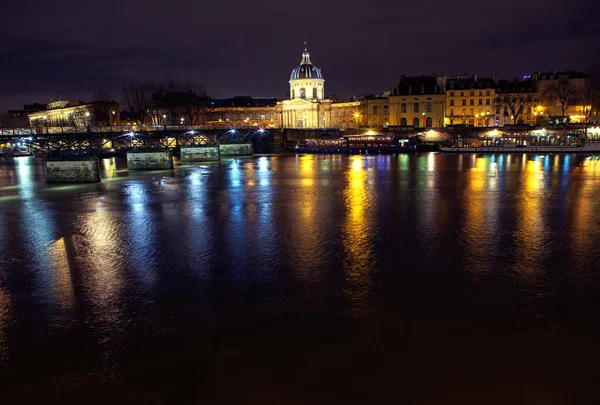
(95, 141)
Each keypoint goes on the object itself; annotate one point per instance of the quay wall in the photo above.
(72, 170)
(200, 153)
(236, 149)
(157, 159)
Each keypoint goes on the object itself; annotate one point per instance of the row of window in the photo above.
(472, 93)
(472, 102)
(416, 122)
(376, 110)
(471, 111)
(416, 107)
(303, 93)
(255, 116)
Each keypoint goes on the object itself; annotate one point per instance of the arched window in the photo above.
(416, 122)
(302, 92)
(429, 122)
(314, 92)
(293, 94)
(403, 122)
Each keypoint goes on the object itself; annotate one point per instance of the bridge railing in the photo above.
(110, 129)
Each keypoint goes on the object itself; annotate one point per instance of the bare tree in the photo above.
(564, 93)
(514, 104)
(103, 107)
(590, 99)
(162, 102)
(139, 97)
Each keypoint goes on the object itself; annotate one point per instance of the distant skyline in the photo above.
(249, 48)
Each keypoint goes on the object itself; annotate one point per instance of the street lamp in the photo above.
(423, 114)
(87, 120)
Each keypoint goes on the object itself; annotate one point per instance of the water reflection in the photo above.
(583, 199)
(61, 256)
(141, 231)
(481, 205)
(531, 232)
(267, 233)
(357, 239)
(236, 231)
(306, 239)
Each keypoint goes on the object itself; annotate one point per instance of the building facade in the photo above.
(417, 102)
(239, 112)
(561, 96)
(517, 102)
(470, 101)
(307, 106)
(74, 113)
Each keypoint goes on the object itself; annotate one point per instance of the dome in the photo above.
(306, 70)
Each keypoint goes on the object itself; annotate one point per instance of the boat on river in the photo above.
(359, 144)
(529, 143)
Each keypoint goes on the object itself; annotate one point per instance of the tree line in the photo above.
(166, 102)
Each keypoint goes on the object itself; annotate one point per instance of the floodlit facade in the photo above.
(244, 112)
(77, 114)
(307, 106)
(470, 101)
(417, 102)
(560, 96)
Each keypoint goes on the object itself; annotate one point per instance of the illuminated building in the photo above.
(560, 96)
(76, 114)
(242, 112)
(516, 102)
(307, 106)
(417, 102)
(470, 101)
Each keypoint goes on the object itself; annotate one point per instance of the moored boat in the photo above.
(523, 144)
(367, 144)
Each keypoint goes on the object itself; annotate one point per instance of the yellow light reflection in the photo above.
(582, 198)
(481, 212)
(306, 235)
(307, 170)
(57, 252)
(356, 238)
(530, 232)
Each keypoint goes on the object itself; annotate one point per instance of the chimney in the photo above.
(494, 77)
(422, 89)
(410, 89)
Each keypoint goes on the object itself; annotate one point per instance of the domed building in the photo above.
(307, 106)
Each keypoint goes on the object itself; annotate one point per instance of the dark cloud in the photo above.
(71, 48)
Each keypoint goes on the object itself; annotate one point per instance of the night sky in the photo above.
(72, 48)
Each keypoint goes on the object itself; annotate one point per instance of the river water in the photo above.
(427, 278)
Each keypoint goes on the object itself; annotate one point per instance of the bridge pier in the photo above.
(150, 159)
(236, 149)
(200, 153)
(72, 170)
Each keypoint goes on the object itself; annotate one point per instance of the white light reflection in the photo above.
(142, 234)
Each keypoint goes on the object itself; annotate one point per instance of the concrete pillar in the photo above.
(72, 170)
(236, 149)
(149, 159)
(200, 153)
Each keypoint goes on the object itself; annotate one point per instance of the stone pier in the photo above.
(236, 149)
(200, 153)
(72, 170)
(149, 159)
